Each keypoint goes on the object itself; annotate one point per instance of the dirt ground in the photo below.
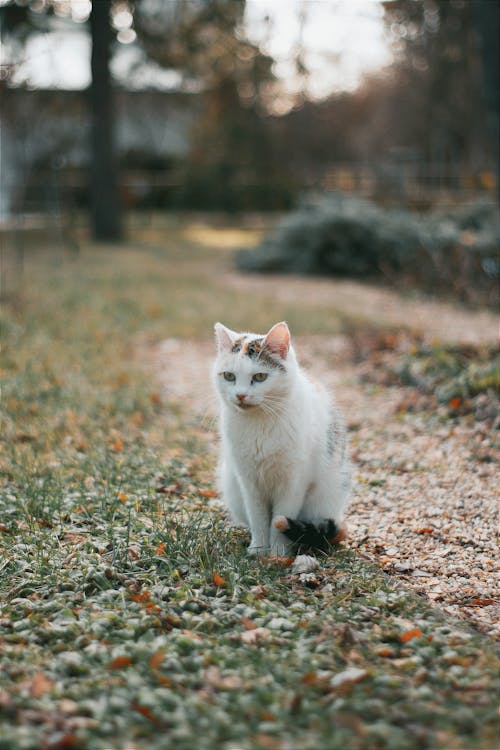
(425, 503)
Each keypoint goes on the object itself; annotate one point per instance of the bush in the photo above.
(456, 251)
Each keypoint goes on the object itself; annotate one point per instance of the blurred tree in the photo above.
(18, 22)
(232, 163)
(104, 193)
(439, 75)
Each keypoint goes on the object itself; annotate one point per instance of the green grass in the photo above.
(114, 632)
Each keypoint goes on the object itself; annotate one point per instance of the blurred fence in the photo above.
(416, 184)
(44, 209)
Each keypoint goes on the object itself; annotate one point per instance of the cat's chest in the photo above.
(260, 449)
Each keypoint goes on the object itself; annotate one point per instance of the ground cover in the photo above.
(131, 616)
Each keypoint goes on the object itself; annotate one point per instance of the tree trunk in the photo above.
(488, 24)
(104, 188)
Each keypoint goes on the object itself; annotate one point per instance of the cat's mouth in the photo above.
(243, 405)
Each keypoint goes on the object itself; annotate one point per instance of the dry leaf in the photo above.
(248, 624)
(163, 679)
(255, 635)
(348, 677)
(304, 564)
(208, 493)
(156, 659)
(218, 579)
(143, 710)
(228, 682)
(409, 634)
(122, 496)
(160, 549)
(120, 662)
(190, 634)
(117, 446)
(40, 685)
(266, 715)
(267, 741)
(64, 741)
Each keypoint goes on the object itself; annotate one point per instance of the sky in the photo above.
(341, 39)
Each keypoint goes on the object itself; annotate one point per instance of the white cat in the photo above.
(283, 469)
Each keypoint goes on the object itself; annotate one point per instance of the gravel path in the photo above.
(436, 320)
(425, 505)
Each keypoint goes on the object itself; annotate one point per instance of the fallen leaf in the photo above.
(483, 602)
(122, 496)
(267, 741)
(266, 715)
(160, 549)
(409, 634)
(40, 685)
(425, 530)
(218, 579)
(348, 677)
(5, 699)
(304, 564)
(143, 710)
(311, 679)
(120, 662)
(454, 403)
(254, 636)
(214, 678)
(143, 597)
(190, 634)
(208, 493)
(117, 446)
(156, 659)
(163, 679)
(62, 741)
(248, 623)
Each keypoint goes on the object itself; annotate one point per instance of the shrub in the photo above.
(454, 251)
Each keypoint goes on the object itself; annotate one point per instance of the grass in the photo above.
(131, 616)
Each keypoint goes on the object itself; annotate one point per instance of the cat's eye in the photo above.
(229, 376)
(259, 377)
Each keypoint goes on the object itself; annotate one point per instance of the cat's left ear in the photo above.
(277, 340)
(224, 337)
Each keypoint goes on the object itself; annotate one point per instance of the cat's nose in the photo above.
(241, 396)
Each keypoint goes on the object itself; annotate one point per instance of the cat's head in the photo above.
(252, 371)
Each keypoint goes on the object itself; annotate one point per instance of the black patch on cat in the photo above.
(309, 535)
(254, 348)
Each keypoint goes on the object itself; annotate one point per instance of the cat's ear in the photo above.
(224, 337)
(277, 340)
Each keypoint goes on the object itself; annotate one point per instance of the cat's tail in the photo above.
(318, 536)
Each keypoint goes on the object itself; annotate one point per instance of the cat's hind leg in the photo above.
(230, 490)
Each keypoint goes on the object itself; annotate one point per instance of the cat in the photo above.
(283, 471)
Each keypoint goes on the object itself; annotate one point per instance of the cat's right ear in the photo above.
(224, 337)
